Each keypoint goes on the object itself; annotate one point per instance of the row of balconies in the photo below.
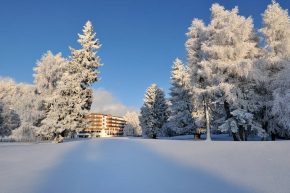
(109, 121)
(106, 128)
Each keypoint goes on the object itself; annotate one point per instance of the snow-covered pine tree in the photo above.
(154, 112)
(85, 64)
(132, 127)
(86, 57)
(181, 120)
(68, 107)
(276, 62)
(73, 97)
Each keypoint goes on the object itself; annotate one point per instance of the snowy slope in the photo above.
(142, 165)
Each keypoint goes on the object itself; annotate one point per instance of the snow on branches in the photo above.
(154, 112)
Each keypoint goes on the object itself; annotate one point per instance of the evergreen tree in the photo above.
(73, 97)
(86, 57)
(154, 112)
(86, 60)
(181, 120)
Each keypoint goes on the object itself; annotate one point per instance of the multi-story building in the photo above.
(103, 124)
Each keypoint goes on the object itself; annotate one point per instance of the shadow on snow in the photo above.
(126, 166)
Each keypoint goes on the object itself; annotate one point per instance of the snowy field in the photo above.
(125, 165)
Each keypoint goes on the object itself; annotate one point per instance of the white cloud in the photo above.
(105, 102)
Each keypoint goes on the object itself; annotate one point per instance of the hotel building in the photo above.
(103, 124)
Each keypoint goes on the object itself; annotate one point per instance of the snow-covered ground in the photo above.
(134, 165)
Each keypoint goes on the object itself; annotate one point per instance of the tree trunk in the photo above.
(236, 137)
(273, 136)
(246, 134)
(242, 133)
(249, 128)
(205, 104)
(197, 136)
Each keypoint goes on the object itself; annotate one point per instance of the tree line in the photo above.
(236, 79)
(60, 98)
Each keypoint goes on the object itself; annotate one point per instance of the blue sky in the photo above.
(140, 38)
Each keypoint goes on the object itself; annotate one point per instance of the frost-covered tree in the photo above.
(86, 57)
(181, 120)
(275, 63)
(196, 35)
(73, 98)
(9, 120)
(154, 112)
(85, 62)
(67, 111)
(223, 67)
(48, 72)
(281, 104)
(22, 100)
(132, 127)
(276, 30)
(84, 65)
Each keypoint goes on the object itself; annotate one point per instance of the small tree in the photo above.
(154, 112)
(132, 127)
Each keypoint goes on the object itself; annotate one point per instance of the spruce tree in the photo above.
(73, 98)
(86, 60)
(154, 112)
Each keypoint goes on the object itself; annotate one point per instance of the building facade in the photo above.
(105, 124)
